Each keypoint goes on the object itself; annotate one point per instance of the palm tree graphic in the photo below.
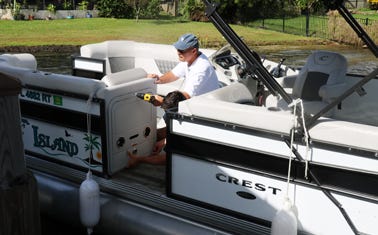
(92, 143)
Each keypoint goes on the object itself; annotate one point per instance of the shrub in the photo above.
(152, 10)
(114, 9)
(67, 5)
(83, 5)
(373, 5)
(51, 8)
(193, 10)
(17, 15)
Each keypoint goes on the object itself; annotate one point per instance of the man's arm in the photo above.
(186, 95)
(165, 78)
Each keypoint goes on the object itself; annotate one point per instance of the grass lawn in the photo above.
(366, 13)
(373, 16)
(84, 31)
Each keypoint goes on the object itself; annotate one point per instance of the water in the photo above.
(55, 62)
(361, 61)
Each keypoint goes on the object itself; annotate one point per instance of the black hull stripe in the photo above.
(59, 116)
(341, 180)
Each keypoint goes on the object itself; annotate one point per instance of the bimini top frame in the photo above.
(255, 67)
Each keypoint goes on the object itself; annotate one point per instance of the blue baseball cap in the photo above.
(186, 41)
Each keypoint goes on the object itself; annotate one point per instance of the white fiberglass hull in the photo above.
(244, 175)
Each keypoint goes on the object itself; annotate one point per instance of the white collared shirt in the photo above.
(200, 76)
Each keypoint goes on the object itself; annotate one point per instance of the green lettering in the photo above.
(35, 134)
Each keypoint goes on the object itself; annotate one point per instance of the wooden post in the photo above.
(19, 204)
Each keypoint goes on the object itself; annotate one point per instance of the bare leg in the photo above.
(155, 159)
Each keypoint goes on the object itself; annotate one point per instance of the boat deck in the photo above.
(147, 176)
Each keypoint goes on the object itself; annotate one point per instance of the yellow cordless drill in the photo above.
(146, 97)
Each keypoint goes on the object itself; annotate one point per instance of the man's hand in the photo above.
(154, 76)
(157, 101)
(165, 78)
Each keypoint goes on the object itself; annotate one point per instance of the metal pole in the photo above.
(254, 65)
(307, 21)
(12, 163)
(283, 16)
(19, 204)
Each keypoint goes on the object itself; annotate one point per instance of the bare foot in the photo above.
(159, 145)
(133, 160)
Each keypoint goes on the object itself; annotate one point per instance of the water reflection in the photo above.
(54, 62)
(361, 61)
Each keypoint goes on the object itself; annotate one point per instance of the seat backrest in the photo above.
(124, 76)
(322, 69)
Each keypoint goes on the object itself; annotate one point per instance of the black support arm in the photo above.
(340, 7)
(358, 29)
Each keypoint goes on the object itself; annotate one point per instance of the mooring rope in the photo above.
(312, 175)
(306, 136)
(89, 104)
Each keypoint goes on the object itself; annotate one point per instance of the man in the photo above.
(200, 78)
(194, 66)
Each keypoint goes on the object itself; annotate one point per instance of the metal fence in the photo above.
(310, 26)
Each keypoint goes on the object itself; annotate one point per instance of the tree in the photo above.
(152, 10)
(114, 8)
(192, 10)
(137, 6)
(241, 11)
(311, 5)
(145, 8)
(67, 5)
(304, 4)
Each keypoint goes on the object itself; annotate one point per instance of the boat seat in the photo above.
(123, 54)
(124, 76)
(234, 93)
(318, 83)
